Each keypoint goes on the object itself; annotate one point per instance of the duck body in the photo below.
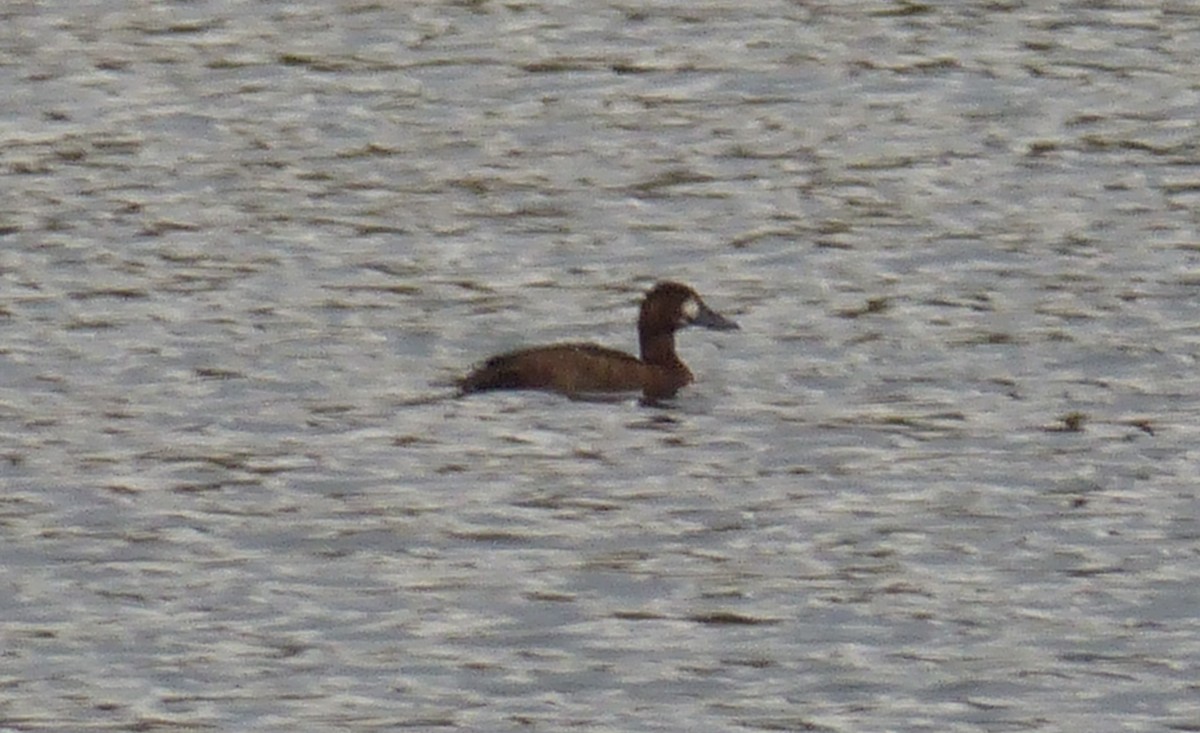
(581, 368)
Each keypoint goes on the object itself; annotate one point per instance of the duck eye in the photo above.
(690, 310)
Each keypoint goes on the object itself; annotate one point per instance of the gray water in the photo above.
(943, 479)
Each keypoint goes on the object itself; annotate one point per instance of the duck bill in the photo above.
(708, 318)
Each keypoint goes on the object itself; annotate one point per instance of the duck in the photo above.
(579, 369)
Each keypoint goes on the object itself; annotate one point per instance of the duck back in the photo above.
(567, 368)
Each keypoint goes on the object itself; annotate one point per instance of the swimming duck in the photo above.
(575, 369)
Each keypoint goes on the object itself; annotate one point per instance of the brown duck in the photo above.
(579, 369)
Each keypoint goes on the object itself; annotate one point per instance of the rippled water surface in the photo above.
(944, 478)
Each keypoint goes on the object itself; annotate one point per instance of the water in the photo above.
(943, 479)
